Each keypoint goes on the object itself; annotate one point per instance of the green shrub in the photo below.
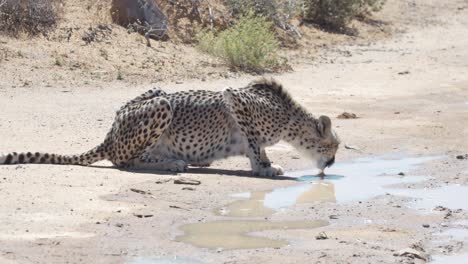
(28, 16)
(337, 14)
(250, 45)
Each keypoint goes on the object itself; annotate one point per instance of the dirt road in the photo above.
(410, 94)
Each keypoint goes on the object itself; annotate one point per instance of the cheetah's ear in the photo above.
(324, 126)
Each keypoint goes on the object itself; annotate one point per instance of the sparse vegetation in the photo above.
(32, 17)
(337, 14)
(250, 45)
(280, 12)
(264, 8)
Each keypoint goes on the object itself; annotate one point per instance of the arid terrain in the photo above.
(408, 89)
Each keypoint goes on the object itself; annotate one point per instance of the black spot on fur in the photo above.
(8, 159)
(21, 158)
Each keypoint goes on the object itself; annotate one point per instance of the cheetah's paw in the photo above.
(177, 166)
(272, 171)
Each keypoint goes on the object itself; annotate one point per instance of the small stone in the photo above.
(187, 181)
(426, 225)
(401, 174)
(346, 115)
(412, 253)
(333, 217)
(143, 215)
(321, 236)
(119, 225)
(351, 147)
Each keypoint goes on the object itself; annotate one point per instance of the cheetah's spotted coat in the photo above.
(171, 131)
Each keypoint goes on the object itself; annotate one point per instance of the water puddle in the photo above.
(167, 260)
(236, 234)
(365, 178)
(455, 259)
(456, 234)
(451, 196)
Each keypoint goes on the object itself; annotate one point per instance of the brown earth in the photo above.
(408, 90)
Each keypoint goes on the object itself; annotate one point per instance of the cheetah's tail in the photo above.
(96, 154)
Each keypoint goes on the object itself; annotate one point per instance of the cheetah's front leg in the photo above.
(261, 165)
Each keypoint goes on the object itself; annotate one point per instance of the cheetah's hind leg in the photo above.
(137, 128)
(173, 165)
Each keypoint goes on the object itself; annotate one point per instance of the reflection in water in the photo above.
(234, 234)
(367, 177)
(304, 193)
(252, 207)
(261, 204)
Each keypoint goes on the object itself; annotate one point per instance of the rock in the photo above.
(187, 181)
(404, 73)
(440, 208)
(351, 147)
(178, 207)
(162, 181)
(143, 16)
(412, 253)
(188, 189)
(346, 115)
(333, 217)
(401, 174)
(426, 225)
(321, 236)
(462, 157)
(139, 191)
(143, 215)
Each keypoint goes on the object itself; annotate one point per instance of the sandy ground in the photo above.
(410, 93)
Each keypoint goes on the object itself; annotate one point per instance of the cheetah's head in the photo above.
(316, 139)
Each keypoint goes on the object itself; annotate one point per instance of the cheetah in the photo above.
(170, 131)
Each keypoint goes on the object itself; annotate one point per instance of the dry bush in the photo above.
(337, 14)
(280, 12)
(265, 8)
(32, 17)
